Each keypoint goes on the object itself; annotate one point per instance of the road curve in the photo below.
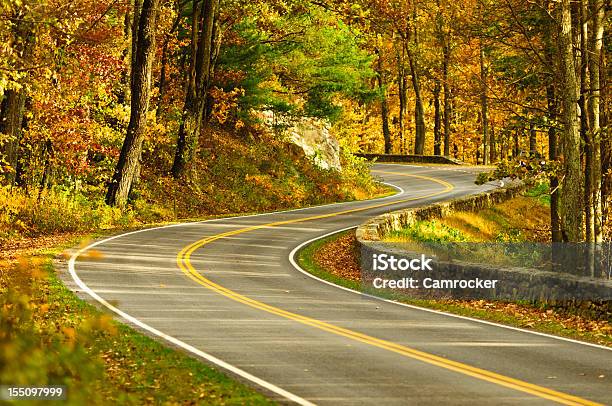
(226, 291)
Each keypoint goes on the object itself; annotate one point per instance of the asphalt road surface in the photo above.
(227, 291)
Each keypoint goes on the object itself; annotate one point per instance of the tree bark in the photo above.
(419, 111)
(14, 103)
(516, 148)
(196, 97)
(606, 145)
(552, 105)
(419, 114)
(164, 64)
(585, 130)
(484, 105)
(11, 126)
(533, 140)
(555, 221)
(447, 97)
(571, 213)
(444, 41)
(128, 163)
(437, 118)
(595, 43)
(402, 85)
(134, 27)
(493, 146)
(384, 108)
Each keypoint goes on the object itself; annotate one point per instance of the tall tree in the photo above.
(571, 192)
(596, 11)
(163, 79)
(140, 83)
(437, 116)
(442, 34)
(384, 107)
(202, 48)
(402, 92)
(14, 102)
(484, 106)
(413, 52)
(552, 110)
(447, 98)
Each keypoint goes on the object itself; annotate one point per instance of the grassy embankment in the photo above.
(336, 259)
(49, 336)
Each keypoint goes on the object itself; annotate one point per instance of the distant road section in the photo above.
(225, 291)
(423, 159)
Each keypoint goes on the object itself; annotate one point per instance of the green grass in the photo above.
(427, 231)
(541, 192)
(305, 259)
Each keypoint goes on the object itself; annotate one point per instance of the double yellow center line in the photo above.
(184, 263)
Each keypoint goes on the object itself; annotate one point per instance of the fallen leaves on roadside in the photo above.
(340, 258)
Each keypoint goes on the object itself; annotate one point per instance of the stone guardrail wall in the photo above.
(515, 282)
(423, 159)
(375, 229)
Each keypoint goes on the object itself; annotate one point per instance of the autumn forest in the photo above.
(122, 111)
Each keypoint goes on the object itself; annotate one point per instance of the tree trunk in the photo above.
(419, 111)
(516, 149)
(447, 96)
(437, 120)
(402, 86)
(14, 103)
(164, 64)
(11, 126)
(128, 164)
(553, 116)
(596, 9)
(137, 9)
(571, 214)
(492, 149)
(384, 108)
(555, 222)
(606, 145)
(585, 131)
(533, 140)
(195, 100)
(484, 104)
(419, 114)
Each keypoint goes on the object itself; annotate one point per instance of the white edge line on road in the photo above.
(490, 323)
(211, 358)
(222, 364)
(208, 357)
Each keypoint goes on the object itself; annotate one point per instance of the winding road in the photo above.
(228, 291)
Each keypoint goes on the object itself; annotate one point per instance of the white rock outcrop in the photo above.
(310, 134)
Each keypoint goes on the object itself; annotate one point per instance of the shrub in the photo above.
(35, 351)
(54, 211)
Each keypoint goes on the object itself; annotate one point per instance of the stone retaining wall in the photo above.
(423, 159)
(516, 283)
(375, 229)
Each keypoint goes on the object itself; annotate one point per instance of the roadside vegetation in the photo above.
(238, 176)
(50, 337)
(522, 219)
